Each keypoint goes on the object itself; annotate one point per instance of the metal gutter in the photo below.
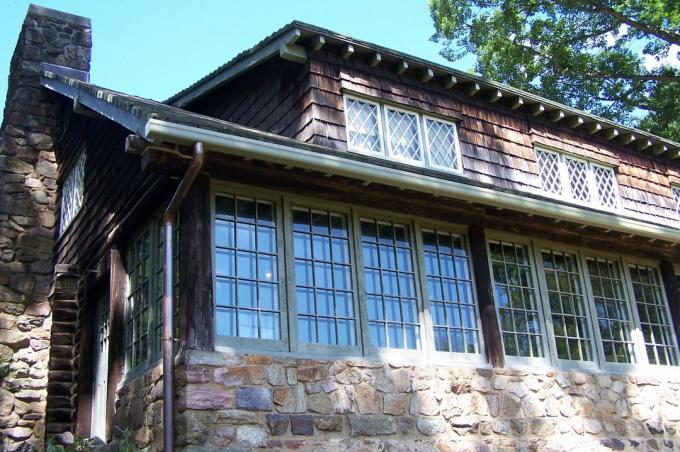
(168, 296)
(294, 156)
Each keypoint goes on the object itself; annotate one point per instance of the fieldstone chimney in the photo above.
(28, 173)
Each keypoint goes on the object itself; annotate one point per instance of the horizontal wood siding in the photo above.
(114, 183)
(497, 144)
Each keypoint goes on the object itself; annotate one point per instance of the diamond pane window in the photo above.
(449, 287)
(442, 144)
(654, 320)
(72, 194)
(363, 126)
(515, 297)
(611, 305)
(246, 268)
(568, 309)
(403, 135)
(676, 199)
(577, 180)
(389, 280)
(323, 280)
(605, 181)
(548, 163)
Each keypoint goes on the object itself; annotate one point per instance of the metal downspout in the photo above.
(168, 339)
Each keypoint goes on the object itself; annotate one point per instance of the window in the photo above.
(676, 198)
(449, 290)
(654, 317)
(406, 137)
(577, 179)
(143, 311)
(323, 278)
(247, 268)
(613, 314)
(72, 193)
(390, 285)
(518, 307)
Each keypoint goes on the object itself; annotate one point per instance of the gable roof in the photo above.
(308, 35)
(153, 120)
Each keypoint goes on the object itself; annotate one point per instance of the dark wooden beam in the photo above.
(197, 313)
(493, 343)
(672, 287)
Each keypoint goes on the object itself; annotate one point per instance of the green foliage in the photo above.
(609, 57)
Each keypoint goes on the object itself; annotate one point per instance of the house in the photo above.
(351, 248)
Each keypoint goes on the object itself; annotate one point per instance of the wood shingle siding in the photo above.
(497, 143)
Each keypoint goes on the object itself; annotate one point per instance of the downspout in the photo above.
(168, 339)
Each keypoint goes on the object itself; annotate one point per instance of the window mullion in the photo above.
(592, 311)
(564, 177)
(636, 333)
(426, 326)
(289, 256)
(362, 313)
(543, 299)
(595, 195)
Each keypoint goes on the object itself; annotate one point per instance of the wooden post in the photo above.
(197, 313)
(117, 298)
(493, 344)
(670, 283)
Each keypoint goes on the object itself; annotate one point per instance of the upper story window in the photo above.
(676, 198)
(72, 193)
(401, 135)
(577, 180)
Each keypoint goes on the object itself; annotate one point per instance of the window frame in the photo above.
(386, 152)
(675, 192)
(565, 183)
(463, 232)
(229, 342)
(290, 202)
(65, 223)
(573, 365)
(521, 361)
(628, 262)
(381, 128)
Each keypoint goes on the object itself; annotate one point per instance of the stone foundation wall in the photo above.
(255, 401)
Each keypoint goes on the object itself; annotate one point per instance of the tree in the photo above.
(614, 58)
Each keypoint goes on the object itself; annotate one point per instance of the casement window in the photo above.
(577, 180)
(676, 198)
(588, 311)
(143, 310)
(72, 194)
(401, 135)
(334, 280)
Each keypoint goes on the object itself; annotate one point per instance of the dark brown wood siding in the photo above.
(497, 143)
(274, 96)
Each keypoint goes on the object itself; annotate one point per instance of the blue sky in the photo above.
(155, 48)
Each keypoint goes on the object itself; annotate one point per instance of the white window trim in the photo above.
(675, 190)
(423, 139)
(565, 184)
(381, 133)
(459, 155)
(64, 222)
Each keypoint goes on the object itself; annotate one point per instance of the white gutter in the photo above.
(292, 156)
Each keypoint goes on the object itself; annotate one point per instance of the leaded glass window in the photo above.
(72, 194)
(613, 316)
(363, 126)
(404, 135)
(391, 301)
(246, 268)
(573, 337)
(676, 199)
(577, 179)
(442, 144)
(516, 301)
(449, 289)
(654, 320)
(323, 278)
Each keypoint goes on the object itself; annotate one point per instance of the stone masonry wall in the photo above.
(28, 173)
(243, 402)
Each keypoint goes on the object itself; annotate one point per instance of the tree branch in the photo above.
(664, 35)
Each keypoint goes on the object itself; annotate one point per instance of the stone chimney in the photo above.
(28, 173)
